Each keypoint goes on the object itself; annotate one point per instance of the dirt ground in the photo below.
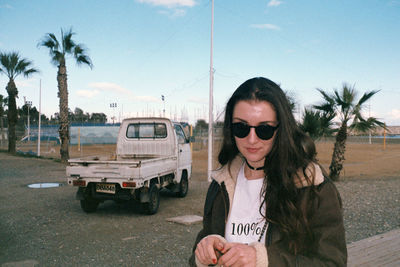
(46, 227)
(361, 160)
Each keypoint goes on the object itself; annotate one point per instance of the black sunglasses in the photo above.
(263, 131)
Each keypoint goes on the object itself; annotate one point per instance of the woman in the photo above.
(269, 204)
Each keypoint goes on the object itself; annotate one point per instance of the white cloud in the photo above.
(198, 100)
(173, 13)
(395, 113)
(274, 3)
(265, 26)
(146, 98)
(111, 87)
(88, 93)
(392, 118)
(27, 83)
(169, 3)
(117, 89)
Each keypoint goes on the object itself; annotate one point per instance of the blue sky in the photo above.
(142, 49)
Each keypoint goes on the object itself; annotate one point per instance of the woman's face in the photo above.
(254, 113)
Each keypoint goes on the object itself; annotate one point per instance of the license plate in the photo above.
(105, 188)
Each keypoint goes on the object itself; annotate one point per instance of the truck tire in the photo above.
(89, 204)
(151, 207)
(183, 186)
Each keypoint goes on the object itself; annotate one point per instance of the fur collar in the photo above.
(229, 172)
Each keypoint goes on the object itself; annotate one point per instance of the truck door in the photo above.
(184, 153)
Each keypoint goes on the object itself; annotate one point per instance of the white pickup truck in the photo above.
(152, 153)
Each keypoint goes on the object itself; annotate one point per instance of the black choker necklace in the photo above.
(256, 169)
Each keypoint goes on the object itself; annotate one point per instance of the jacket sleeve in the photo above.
(213, 195)
(329, 248)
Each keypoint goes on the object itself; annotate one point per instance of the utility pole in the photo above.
(210, 104)
(40, 115)
(163, 100)
(369, 108)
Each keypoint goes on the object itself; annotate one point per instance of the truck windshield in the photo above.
(146, 130)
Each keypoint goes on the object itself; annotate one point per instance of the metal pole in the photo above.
(210, 104)
(163, 100)
(40, 115)
(370, 117)
(29, 126)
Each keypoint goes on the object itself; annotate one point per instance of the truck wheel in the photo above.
(183, 186)
(89, 204)
(154, 200)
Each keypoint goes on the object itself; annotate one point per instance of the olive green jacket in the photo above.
(326, 223)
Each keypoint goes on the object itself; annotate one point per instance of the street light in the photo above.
(163, 100)
(113, 106)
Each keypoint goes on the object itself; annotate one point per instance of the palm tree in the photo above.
(317, 123)
(13, 65)
(58, 52)
(343, 104)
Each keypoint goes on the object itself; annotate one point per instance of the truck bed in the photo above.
(127, 168)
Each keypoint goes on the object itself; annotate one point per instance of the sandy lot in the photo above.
(46, 227)
(362, 160)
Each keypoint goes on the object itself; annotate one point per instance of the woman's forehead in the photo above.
(254, 110)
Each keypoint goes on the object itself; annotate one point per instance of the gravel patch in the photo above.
(46, 226)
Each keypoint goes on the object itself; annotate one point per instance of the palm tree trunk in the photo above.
(2, 130)
(338, 153)
(12, 115)
(64, 124)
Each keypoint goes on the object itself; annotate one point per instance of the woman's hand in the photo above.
(208, 250)
(237, 254)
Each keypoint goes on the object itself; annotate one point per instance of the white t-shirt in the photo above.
(245, 223)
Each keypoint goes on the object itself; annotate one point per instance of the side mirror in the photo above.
(191, 139)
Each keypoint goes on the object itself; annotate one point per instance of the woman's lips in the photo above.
(252, 150)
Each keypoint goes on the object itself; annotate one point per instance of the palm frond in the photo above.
(348, 93)
(29, 72)
(68, 43)
(14, 65)
(366, 96)
(325, 107)
(83, 59)
(52, 37)
(81, 55)
(362, 125)
(340, 101)
(50, 41)
(326, 96)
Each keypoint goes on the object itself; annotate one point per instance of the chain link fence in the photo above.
(92, 140)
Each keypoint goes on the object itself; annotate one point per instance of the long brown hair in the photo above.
(292, 151)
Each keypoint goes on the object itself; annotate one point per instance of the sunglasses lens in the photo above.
(265, 132)
(240, 130)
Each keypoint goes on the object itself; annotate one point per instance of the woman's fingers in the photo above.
(207, 250)
(238, 255)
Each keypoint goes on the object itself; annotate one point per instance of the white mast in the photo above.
(40, 115)
(210, 112)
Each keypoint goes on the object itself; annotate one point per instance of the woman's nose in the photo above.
(252, 137)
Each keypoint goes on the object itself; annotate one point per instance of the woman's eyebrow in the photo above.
(242, 120)
(239, 119)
